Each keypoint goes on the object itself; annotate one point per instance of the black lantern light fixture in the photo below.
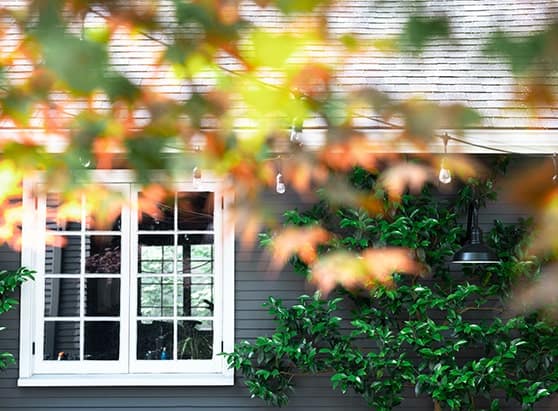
(474, 251)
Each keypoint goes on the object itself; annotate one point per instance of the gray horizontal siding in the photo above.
(253, 286)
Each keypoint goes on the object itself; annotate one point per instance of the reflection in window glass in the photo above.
(195, 340)
(103, 254)
(58, 219)
(61, 297)
(196, 253)
(104, 220)
(155, 340)
(157, 216)
(102, 340)
(195, 211)
(155, 297)
(156, 254)
(102, 297)
(63, 259)
(61, 340)
(195, 296)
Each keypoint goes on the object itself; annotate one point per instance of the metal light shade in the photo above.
(474, 251)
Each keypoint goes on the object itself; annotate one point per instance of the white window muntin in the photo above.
(175, 365)
(200, 372)
(42, 366)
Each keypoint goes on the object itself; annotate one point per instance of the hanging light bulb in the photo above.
(280, 184)
(444, 176)
(196, 177)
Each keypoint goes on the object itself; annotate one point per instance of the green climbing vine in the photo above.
(9, 282)
(448, 336)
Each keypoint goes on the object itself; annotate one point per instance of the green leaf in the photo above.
(520, 53)
(79, 64)
(299, 6)
(119, 87)
(420, 30)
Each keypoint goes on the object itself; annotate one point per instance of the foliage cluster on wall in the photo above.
(449, 336)
(9, 282)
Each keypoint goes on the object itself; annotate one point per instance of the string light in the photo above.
(445, 174)
(196, 177)
(280, 187)
(295, 93)
(196, 172)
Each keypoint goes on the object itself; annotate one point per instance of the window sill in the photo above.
(122, 380)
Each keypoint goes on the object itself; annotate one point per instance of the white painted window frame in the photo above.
(32, 370)
(41, 366)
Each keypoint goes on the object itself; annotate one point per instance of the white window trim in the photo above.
(198, 374)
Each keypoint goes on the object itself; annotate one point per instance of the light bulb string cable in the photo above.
(299, 94)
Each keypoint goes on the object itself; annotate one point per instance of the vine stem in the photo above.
(437, 406)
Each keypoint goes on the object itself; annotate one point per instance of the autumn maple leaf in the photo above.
(302, 241)
(366, 270)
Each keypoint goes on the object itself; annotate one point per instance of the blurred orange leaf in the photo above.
(538, 294)
(398, 178)
(371, 268)
(302, 241)
(462, 166)
(151, 197)
(312, 80)
(354, 151)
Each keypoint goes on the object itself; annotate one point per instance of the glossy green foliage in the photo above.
(9, 282)
(448, 337)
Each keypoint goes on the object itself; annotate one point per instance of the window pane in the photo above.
(106, 218)
(195, 340)
(61, 340)
(155, 215)
(61, 297)
(65, 257)
(196, 254)
(156, 254)
(155, 297)
(102, 340)
(195, 211)
(102, 254)
(102, 297)
(60, 218)
(195, 296)
(155, 340)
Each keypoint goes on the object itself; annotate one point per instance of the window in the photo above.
(146, 300)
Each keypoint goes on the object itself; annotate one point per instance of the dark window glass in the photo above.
(61, 297)
(155, 215)
(102, 340)
(155, 340)
(61, 340)
(195, 340)
(195, 210)
(102, 297)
